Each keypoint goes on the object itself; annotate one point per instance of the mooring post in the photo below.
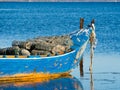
(92, 42)
(81, 61)
(81, 23)
(81, 67)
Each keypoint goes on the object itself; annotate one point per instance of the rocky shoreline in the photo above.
(39, 46)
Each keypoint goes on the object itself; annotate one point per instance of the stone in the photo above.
(42, 45)
(22, 44)
(39, 45)
(25, 52)
(39, 52)
(10, 51)
(58, 49)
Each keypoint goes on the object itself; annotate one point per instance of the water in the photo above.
(56, 84)
(21, 21)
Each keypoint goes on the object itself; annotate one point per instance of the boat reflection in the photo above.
(62, 83)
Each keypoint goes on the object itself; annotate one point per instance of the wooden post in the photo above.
(81, 61)
(92, 40)
(81, 67)
(81, 23)
(93, 21)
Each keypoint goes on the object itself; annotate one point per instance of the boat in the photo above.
(57, 64)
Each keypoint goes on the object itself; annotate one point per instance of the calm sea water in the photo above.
(21, 21)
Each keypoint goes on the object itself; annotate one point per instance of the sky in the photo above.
(62, 0)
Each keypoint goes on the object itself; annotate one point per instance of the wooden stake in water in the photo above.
(81, 61)
(81, 23)
(81, 67)
(92, 43)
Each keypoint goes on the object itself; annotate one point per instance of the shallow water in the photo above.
(21, 21)
(105, 75)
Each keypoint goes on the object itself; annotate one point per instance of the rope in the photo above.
(92, 46)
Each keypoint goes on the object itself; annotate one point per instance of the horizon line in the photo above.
(59, 0)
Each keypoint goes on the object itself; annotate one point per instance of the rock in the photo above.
(42, 45)
(22, 44)
(62, 40)
(58, 49)
(25, 52)
(39, 45)
(2, 51)
(39, 52)
(10, 51)
(17, 50)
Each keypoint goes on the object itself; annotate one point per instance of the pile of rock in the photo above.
(39, 46)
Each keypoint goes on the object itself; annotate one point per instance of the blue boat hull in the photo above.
(53, 64)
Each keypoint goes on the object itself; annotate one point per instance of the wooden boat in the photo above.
(51, 64)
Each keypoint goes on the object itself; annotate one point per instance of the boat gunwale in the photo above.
(34, 58)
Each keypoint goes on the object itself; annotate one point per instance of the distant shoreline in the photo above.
(52, 2)
(59, 0)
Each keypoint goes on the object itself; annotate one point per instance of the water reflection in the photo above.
(81, 67)
(91, 82)
(90, 73)
(63, 83)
